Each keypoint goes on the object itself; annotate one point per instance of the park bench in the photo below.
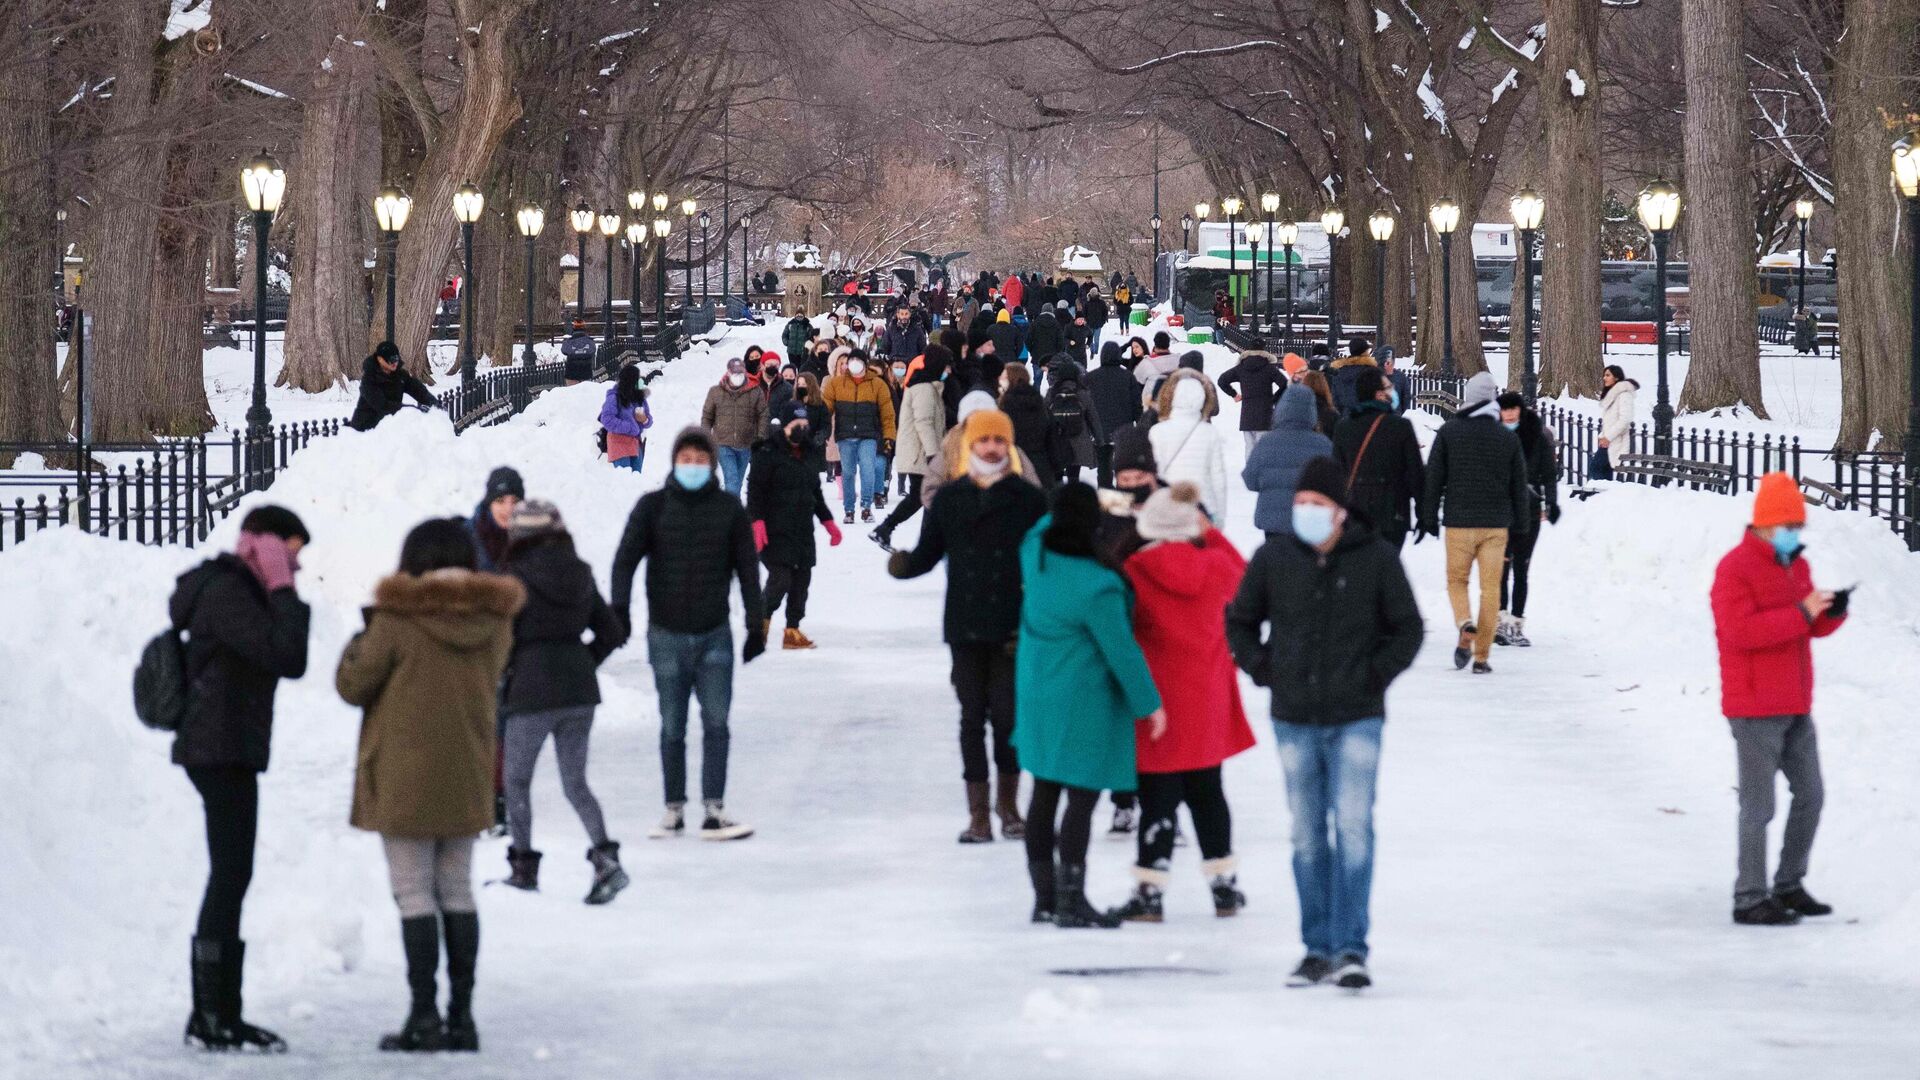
(1444, 402)
(1704, 475)
(1818, 493)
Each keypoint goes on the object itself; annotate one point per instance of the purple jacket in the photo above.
(620, 421)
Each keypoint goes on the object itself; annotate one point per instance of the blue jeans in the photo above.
(699, 665)
(733, 467)
(1093, 341)
(1330, 772)
(860, 464)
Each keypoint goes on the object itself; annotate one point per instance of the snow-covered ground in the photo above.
(1555, 846)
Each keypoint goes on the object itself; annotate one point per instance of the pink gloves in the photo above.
(267, 556)
(759, 536)
(833, 533)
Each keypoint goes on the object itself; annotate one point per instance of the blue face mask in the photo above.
(1394, 400)
(1785, 541)
(692, 477)
(1515, 426)
(1312, 523)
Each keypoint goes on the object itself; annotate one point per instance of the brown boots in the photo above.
(979, 822)
(979, 828)
(1012, 825)
(794, 639)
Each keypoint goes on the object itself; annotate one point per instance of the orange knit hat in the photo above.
(987, 422)
(1292, 364)
(1778, 502)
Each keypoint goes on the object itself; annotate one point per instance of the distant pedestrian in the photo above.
(783, 499)
(922, 423)
(1616, 421)
(1477, 475)
(736, 414)
(1185, 443)
(1116, 404)
(625, 417)
(1255, 381)
(1543, 505)
(577, 353)
(861, 404)
(490, 519)
(1342, 373)
(1273, 467)
(384, 382)
(1380, 451)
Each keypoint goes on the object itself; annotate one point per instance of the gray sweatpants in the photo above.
(430, 874)
(526, 733)
(1765, 746)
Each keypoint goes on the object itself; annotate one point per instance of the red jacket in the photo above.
(1014, 290)
(1766, 652)
(1181, 593)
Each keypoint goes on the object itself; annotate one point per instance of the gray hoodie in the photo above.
(1274, 465)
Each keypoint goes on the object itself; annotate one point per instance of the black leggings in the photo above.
(789, 583)
(1160, 797)
(231, 794)
(1519, 561)
(908, 505)
(1076, 825)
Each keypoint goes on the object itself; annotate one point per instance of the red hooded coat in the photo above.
(1014, 290)
(1181, 592)
(1766, 650)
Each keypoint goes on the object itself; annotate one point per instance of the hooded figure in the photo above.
(1273, 467)
(1186, 446)
(1074, 417)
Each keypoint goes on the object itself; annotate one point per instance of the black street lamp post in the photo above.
(60, 255)
(531, 220)
(687, 209)
(1380, 227)
(1445, 217)
(706, 220)
(1186, 232)
(264, 183)
(609, 228)
(1659, 210)
(661, 226)
(1270, 205)
(746, 283)
(1528, 209)
(1154, 223)
(1802, 209)
(390, 210)
(636, 243)
(1287, 235)
(1231, 206)
(581, 218)
(1256, 232)
(467, 205)
(1333, 219)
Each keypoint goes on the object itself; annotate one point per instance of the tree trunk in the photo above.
(29, 399)
(174, 374)
(327, 311)
(1874, 270)
(1398, 330)
(1725, 369)
(223, 270)
(1569, 339)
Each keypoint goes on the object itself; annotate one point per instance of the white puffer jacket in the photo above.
(1616, 418)
(1186, 447)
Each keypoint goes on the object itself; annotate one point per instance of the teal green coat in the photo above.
(1081, 681)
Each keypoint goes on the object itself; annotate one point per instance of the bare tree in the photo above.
(29, 401)
(1570, 292)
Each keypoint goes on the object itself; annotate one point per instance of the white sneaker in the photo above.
(672, 825)
(718, 826)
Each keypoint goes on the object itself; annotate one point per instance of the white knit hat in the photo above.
(1172, 513)
(972, 402)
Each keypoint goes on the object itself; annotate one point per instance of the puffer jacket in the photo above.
(737, 416)
(1343, 378)
(862, 408)
(1765, 638)
(1185, 445)
(1273, 467)
(551, 667)
(1616, 419)
(241, 641)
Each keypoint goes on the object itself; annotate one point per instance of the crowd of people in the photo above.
(1096, 632)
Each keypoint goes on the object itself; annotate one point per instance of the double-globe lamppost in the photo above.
(1270, 205)
(1256, 232)
(1287, 234)
(1659, 210)
(1380, 227)
(531, 220)
(688, 208)
(467, 205)
(390, 210)
(610, 228)
(1906, 178)
(1333, 219)
(1154, 223)
(1528, 211)
(661, 227)
(1444, 216)
(1230, 206)
(746, 283)
(581, 218)
(636, 243)
(264, 183)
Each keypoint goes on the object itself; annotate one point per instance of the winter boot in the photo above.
(1225, 883)
(1012, 825)
(499, 815)
(526, 869)
(718, 826)
(1463, 650)
(207, 1023)
(1519, 636)
(979, 828)
(1125, 820)
(1799, 900)
(1041, 871)
(880, 499)
(1503, 630)
(463, 954)
(420, 936)
(1146, 903)
(233, 959)
(1071, 911)
(1481, 667)
(1768, 912)
(882, 537)
(608, 877)
(673, 824)
(794, 639)
(866, 514)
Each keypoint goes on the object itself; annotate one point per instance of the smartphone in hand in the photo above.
(1840, 599)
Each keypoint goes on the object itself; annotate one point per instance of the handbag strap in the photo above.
(1364, 443)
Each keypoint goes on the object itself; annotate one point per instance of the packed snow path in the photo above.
(1554, 858)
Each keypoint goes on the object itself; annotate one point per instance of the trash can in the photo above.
(1199, 335)
(1140, 316)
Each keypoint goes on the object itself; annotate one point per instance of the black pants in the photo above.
(789, 583)
(1075, 828)
(231, 795)
(1103, 470)
(908, 505)
(1515, 569)
(1160, 797)
(983, 681)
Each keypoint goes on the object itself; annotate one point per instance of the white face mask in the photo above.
(737, 379)
(856, 368)
(983, 468)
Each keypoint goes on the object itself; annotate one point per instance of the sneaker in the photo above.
(848, 520)
(880, 500)
(673, 824)
(1768, 912)
(1481, 667)
(1351, 974)
(1463, 650)
(1313, 971)
(1799, 900)
(1124, 820)
(718, 826)
(866, 515)
(885, 541)
(794, 639)
(1503, 630)
(1519, 636)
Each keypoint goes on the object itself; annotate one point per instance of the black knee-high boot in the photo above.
(420, 936)
(463, 954)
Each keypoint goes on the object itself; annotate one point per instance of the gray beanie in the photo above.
(1172, 513)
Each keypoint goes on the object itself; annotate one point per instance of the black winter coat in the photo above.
(1543, 469)
(1076, 337)
(978, 532)
(1031, 430)
(784, 492)
(1097, 312)
(241, 642)
(551, 668)
(381, 394)
(1259, 382)
(1390, 476)
(693, 542)
(1340, 627)
(578, 352)
(1116, 399)
(1476, 469)
(1006, 341)
(902, 342)
(1044, 338)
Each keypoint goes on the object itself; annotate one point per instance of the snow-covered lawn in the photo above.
(1555, 847)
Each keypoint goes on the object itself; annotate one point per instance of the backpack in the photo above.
(1068, 416)
(160, 682)
(601, 440)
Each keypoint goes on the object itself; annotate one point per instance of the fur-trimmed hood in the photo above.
(1354, 361)
(1163, 404)
(459, 608)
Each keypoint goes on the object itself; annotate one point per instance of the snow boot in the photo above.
(1071, 911)
(673, 824)
(1313, 971)
(1225, 883)
(1147, 902)
(1503, 630)
(1125, 819)
(979, 828)
(462, 929)
(233, 959)
(1463, 650)
(1799, 900)
(718, 826)
(526, 869)
(1350, 973)
(1012, 825)
(423, 1030)
(1768, 912)
(1518, 638)
(794, 639)
(1041, 872)
(205, 1025)
(608, 877)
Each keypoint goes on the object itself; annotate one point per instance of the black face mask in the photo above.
(1140, 492)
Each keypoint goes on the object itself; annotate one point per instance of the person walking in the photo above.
(1044, 339)
(1123, 304)
(1135, 479)
(488, 524)
(904, 337)
(1477, 475)
(783, 511)
(426, 669)
(1095, 313)
(1032, 427)
(246, 629)
(1115, 398)
(976, 524)
(861, 405)
(552, 691)
(1381, 453)
(1273, 467)
(1342, 373)
(1399, 382)
(1185, 442)
(1182, 580)
(693, 537)
(1154, 370)
(797, 339)
(1326, 415)
(384, 384)
(576, 354)
(1616, 422)
(625, 417)
(1075, 335)
(951, 460)
(1255, 381)
(1766, 613)
(922, 424)
(1082, 688)
(736, 414)
(1072, 419)
(1543, 504)
(1341, 624)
